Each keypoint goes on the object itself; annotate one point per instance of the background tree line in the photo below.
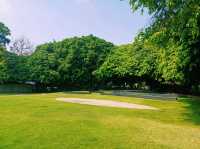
(165, 55)
(65, 64)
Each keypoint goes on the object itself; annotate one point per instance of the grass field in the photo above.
(38, 121)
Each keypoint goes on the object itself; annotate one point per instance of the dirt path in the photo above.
(106, 103)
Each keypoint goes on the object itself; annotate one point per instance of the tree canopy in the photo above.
(4, 34)
(175, 31)
(71, 61)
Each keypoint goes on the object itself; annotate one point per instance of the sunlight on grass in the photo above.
(39, 121)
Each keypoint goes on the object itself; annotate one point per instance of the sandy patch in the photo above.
(106, 103)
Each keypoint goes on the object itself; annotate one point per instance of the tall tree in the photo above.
(84, 56)
(176, 26)
(70, 62)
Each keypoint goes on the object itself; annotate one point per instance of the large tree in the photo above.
(128, 64)
(70, 62)
(175, 31)
(4, 34)
(84, 56)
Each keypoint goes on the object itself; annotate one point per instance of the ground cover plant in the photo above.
(39, 121)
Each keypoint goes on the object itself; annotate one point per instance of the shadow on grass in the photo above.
(15, 94)
(192, 104)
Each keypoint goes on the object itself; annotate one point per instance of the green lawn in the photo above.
(38, 121)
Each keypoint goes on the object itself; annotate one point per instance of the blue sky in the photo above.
(46, 20)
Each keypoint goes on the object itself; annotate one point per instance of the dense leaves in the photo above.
(175, 31)
(42, 65)
(4, 34)
(70, 62)
(3, 66)
(13, 68)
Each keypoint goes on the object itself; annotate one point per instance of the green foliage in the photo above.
(17, 68)
(169, 58)
(4, 33)
(127, 60)
(13, 68)
(69, 62)
(4, 75)
(175, 34)
(43, 65)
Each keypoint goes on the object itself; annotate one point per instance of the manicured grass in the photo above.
(38, 121)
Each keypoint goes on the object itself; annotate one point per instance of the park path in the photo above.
(106, 103)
